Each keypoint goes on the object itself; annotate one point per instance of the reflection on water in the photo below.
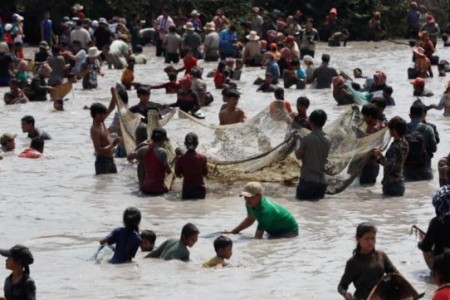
(60, 209)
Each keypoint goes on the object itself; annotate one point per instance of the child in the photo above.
(126, 238)
(238, 70)
(387, 95)
(148, 238)
(177, 249)
(193, 167)
(279, 98)
(300, 119)
(219, 76)
(189, 61)
(367, 265)
(224, 249)
(19, 285)
(171, 87)
(232, 114)
(128, 74)
(441, 276)
(91, 68)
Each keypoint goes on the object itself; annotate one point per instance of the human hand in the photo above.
(349, 296)
(116, 141)
(377, 153)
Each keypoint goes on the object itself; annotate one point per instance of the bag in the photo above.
(417, 152)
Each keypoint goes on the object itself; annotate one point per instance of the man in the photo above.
(272, 67)
(272, 217)
(46, 29)
(28, 127)
(308, 39)
(313, 151)
(78, 57)
(323, 74)
(257, 21)
(228, 37)
(81, 35)
(413, 20)
(300, 119)
(134, 25)
(162, 24)
(192, 40)
(118, 53)
(103, 35)
(231, 114)
(211, 43)
(8, 143)
(422, 145)
(144, 104)
(172, 46)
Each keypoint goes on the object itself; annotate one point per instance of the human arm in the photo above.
(247, 222)
(259, 234)
(112, 103)
(300, 149)
(178, 169)
(426, 245)
(346, 280)
(242, 117)
(388, 265)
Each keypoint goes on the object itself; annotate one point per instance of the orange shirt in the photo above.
(127, 77)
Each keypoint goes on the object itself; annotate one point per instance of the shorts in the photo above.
(394, 189)
(105, 165)
(172, 58)
(193, 193)
(308, 190)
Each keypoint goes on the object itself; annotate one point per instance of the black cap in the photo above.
(191, 140)
(19, 253)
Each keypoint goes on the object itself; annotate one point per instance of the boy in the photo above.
(128, 75)
(177, 249)
(387, 95)
(231, 114)
(28, 127)
(144, 104)
(224, 249)
(90, 68)
(148, 238)
(103, 146)
(301, 118)
(192, 166)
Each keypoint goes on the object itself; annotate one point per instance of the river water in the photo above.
(60, 209)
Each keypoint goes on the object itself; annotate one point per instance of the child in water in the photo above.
(18, 285)
(224, 249)
(148, 238)
(367, 265)
(126, 238)
(441, 276)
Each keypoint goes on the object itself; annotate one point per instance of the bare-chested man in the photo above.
(231, 114)
(103, 145)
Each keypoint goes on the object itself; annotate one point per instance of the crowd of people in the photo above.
(281, 45)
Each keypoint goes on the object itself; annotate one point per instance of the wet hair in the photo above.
(159, 135)
(148, 235)
(416, 110)
(279, 93)
(325, 58)
(303, 101)
(222, 242)
(388, 90)
(318, 117)
(441, 266)
(132, 218)
(63, 43)
(37, 143)
(380, 102)
(361, 230)
(142, 90)
(28, 120)
(189, 230)
(233, 94)
(97, 108)
(221, 66)
(141, 133)
(370, 110)
(398, 124)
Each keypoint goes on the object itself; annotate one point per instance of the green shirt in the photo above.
(272, 217)
(171, 249)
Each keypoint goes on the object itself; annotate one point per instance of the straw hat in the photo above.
(255, 9)
(77, 7)
(189, 26)
(102, 21)
(44, 45)
(194, 13)
(93, 52)
(210, 26)
(252, 36)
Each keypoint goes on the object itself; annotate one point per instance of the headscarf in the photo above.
(45, 70)
(285, 52)
(379, 78)
(441, 202)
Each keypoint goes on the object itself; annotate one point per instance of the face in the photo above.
(144, 98)
(26, 127)
(367, 242)
(226, 252)
(146, 245)
(10, 145)
(253, 201)
(11, 264)
(232, 102)
(301, 109)
(190, 241)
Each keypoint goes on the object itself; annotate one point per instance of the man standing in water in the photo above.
(103, 144)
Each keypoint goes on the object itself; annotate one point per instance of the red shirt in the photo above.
(192, 166)
(155, 174)
(189, 63)
(30, 153)
(219, 79)
(171, 87)
(442, 293)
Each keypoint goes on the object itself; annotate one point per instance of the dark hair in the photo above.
(380, 102)
(98, 108)
(233, 94)
(303, 101)
(172, 76)
(388, 90)
(142, 90)
(132, 218)
(79, 22)
(444, 37)
(325, 58)
(416, 110)
(141, 133)
(148, 235)
(37, 143)
(370, 110)
(318, 117)
(222, 242)
(189, 230)
(28, 119)
(78, 43)
(172, 28)
(361, 230)
(221, 66)
(159, 135)
(55, 49)
(279, 93)
(441, 266)
(122, 92)
(63, 43)
(398, 124)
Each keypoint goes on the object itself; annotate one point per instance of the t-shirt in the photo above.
(82, 35)
(171, 249)
(5, 61)
(316, 146)
(442, 293)
(103, 36)
(272, 217)
(57, 64)
(25, 289)
(119, 48)
(213, 262)
(81, 58)
(193, 166)
(127, 243)
(301, 73)
(172, 42)
(41, 134)
(212, 42)
(227, 39)
(189, 63)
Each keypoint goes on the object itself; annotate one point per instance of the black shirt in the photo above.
(5, 61)
(102, 37)
(25, 289)
(438, 235)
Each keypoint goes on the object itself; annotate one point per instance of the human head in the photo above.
(441, 268)
(252, 193)
(58, 104)
(295, 64)
(325, 58)
(379, 78)
(279, 93)
(357, 73)
(132, 218)
(302, 105)
(232, 28)
(370, 113)
(318, 118)
(365, 237)
(189, 234)
(239, 63)
(309, 23)
(232, 97)
(387, 91)
(8, 141)
(221, 66)
(418, 84)
(380, 102)
(141, 133)
(191, 141)
(223, 246)
(13, 83)
(159, 135)
(416, 111)
(397, 126)
(444, 37)
(76, 45)
(18, 256)
(98, 110)
(27, 123)
(148, 238)
(143, 94)
(165, 11)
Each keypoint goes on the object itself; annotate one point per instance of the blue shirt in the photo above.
(227, 39)
(302, 75)
(47, 26)
(127, 243)
(274, 69)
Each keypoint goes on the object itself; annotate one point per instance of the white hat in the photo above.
(8, 27)
(210, 26)
(77, 7)
(93, 52)
(308, 58)
(253, 36)
(194, 13)
(17, 17)
(94, 24)
(189, 26)
(102, 21)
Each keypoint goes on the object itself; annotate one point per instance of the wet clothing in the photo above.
(186, 101)
(364, 271)
(437, 236)
(266, 88)
(394, 161)
(342, 96)
(30, 153)
(105, 165)
(192, 40)
(103, 37)
(444, 103)
(369, 173)
(155, 165)
(442, 293)
(324, 75)
(213, 262)
(309, 190)
(38, 86)
(127, 244)
(25, 289)
(171, 249)
(316, 146)
(40, 134)
(41, 57)
(193, 167)
(139, 59)
(272, 217)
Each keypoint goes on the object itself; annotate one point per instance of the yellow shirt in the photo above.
(213, 262)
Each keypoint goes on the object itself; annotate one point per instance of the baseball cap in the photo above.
(251, 189)
(191, 141)
(7, 137)
(20, 253)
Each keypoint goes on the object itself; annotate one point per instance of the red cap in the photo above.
(419, 81)
(289, 39)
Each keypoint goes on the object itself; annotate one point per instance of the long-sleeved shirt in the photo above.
(438, 235)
